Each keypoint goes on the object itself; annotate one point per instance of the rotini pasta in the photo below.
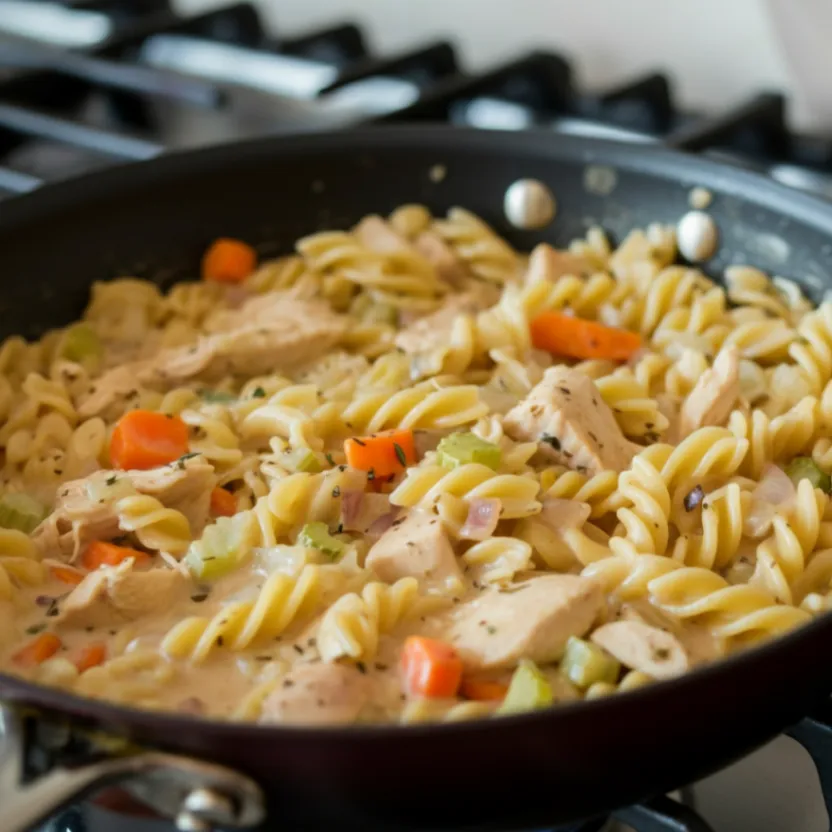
(433, 477)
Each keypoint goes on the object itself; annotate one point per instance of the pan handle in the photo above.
(195, 795)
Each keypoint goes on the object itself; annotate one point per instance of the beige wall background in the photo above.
(717, 51)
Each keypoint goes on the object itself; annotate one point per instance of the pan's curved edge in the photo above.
(686, 169)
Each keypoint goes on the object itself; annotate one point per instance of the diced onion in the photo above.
(775, 491)
(482, 519)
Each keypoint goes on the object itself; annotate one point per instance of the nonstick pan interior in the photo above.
(155, 219)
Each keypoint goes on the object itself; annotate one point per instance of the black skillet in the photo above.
(154, 219)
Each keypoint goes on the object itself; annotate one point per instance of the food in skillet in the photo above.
(408, 473)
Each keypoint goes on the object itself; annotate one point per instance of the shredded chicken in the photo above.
(571, 423)
(267, 334)
(112, 595)
(82, 512)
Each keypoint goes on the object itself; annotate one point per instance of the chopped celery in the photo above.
(463, 448)
(529, 689)
(302, 459)
(21, 512)
(81, 343)
(216, 396)
(224, 545)
(585, 664)
(316, 536)
(804, 468)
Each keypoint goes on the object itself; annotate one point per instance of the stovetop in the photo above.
(90, 83)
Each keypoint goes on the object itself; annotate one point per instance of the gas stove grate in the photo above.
(109, 80)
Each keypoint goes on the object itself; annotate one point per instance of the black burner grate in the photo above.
(114, 80)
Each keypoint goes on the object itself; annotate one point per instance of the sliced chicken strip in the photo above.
(442, 257)
(84, 513)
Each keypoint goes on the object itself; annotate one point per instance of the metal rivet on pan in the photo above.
(529, 204)
(186, 822)
(697, 236)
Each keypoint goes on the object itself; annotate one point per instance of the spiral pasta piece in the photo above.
(740, 613)
(352, 626)
(154, 525)
(425, 485)
(282, 601)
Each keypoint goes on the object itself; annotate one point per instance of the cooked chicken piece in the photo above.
(112, 595)
(296, 332)
(114, 386)
(377, 235)
(641, 647)
(712, 399)
(442, 257)
(318, 694)
(533, 620)
(415, 545)
(255, 310)
(434, 330)
(547, 263)
(571, 423)
(81, 515)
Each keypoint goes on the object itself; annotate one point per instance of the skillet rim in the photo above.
(539, 144)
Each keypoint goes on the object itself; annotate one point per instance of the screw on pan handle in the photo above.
(195, 794)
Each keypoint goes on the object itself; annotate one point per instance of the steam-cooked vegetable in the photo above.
(224, 545)
(20, 511)
(81, 343)
(316, 536)
(464, 448)
(529, 689)
(804, 468)
(584, 664)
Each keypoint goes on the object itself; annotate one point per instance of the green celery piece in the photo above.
(216, 396)
(529, 690)
(463, 448)
(224, 545)
(316, 536)
(302, 460)
(804, 468)
(585, 663)
(81, 342)
(20, 511)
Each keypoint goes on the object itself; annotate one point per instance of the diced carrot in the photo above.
(384, 453)
(144, 439)
(483, 690)
(100, 553)
(67, 574)
(223, 503)
(431, 668)
(228, 261)
(38, 650)
(571, 337)
(90, 655)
